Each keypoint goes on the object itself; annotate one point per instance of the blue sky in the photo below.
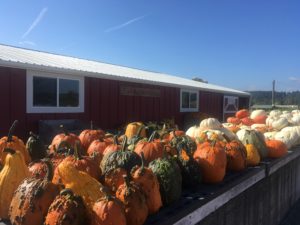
(234, 43)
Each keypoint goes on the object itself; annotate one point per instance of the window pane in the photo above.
(44, 91)
(193, 100)
(185, 100)
(68, 93)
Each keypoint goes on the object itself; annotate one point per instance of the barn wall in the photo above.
(103, 104)
(211, 104)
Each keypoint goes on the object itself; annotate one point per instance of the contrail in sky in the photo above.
(35, 22)
(124, 24)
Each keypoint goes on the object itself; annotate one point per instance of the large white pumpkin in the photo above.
(210, 123)
(257, 112)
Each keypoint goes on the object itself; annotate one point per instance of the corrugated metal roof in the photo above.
(31, 59)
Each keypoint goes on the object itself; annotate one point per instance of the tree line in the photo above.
(281, 98)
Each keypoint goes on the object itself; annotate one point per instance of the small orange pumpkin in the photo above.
(146, 179)
(276, 148)
(108, 210)
(66, 209)
(136, 210)
(89, 135)
(242, 113)
(66, 136)
(212, 159)
(233, 120)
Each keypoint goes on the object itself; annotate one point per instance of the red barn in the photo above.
(37, 86)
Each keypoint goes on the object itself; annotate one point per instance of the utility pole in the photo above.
(273, 94)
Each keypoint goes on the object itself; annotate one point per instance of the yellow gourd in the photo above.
(80, 183)
(12, 174)
(253, 157)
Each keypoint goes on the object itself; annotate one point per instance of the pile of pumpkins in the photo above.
(98, 178)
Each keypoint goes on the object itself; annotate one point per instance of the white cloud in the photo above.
(124, 24)
(35, 22)
(294, 79)
(27, 43)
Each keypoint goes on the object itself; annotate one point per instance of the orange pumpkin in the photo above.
(113, 179)
(152, 149)
(247, 121)
(89, 135)
(66, 209)
(66, 137)
(13, 142)
(146, 179)
(233, 120)
(108, 210)
(97, 147)
(236, 155)
(242, 113)
(212, 160)
(136, 210)
(276, 148)
(32, 199)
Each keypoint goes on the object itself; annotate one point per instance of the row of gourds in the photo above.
(98, 178)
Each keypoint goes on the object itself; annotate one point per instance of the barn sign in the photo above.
(138, 91)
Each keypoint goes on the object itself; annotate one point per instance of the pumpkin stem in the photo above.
(142, 169)
(247, 142)
(11, 131)
(66, 132)
(116, 142)
(33, 135)
(124, 143)
(9, 150)
(226, 137)
(127, 182)
(138, 134)
(67, 191)
(49, 173)
(151, 138)
(77, 154)
(63, 146)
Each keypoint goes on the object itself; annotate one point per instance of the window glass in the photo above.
(68, 93)
(193, 100)
(185, 100)
(44, 91)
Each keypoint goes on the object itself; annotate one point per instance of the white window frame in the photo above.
(49, 109)
(197, 101)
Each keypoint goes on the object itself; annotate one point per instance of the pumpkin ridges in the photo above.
(108, 210)
(136, 210)
(146, 179)
(12, 174)
(32, 199)
(212, 160)
(66, 209)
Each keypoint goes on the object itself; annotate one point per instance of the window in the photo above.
(189, 101)
(53, 93)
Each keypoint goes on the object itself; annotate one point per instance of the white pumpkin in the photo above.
(241, 133)
(258, 125)
(295, 120)
(211, 134)
(280, 123)
(275, 113)
(210, 123)
(295, 111)
(270, 120)
(193, 131)
(257, 112)
(288, 136)
(270, 135)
